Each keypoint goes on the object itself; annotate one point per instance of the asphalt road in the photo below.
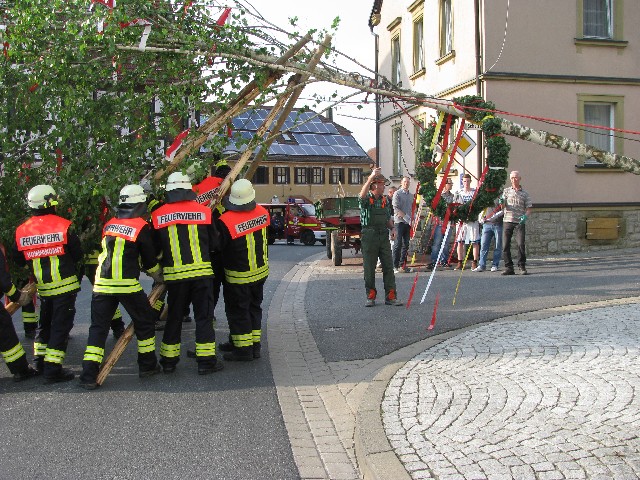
(222, 426)
(345, 330)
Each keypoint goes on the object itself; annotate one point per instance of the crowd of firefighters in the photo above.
(181, 242)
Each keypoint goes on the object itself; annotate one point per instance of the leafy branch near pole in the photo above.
(477, 111)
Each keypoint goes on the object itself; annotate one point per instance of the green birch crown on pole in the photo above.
(497, 160)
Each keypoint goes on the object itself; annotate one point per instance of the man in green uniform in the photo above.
(375, 217)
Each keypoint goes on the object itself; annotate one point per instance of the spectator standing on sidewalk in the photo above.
(516, 203)
(491, 221)
(375, 217)
(438, 234)
(402, 206)
(467, 232)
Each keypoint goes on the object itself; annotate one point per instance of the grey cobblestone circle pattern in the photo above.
(540, 399)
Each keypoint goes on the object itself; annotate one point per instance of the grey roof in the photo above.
(307, 134)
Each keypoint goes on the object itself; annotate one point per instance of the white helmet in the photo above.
(178, 180)
(132, 194)
(242, 192)
(42, 196)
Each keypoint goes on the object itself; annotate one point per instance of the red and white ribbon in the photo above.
(171, 151)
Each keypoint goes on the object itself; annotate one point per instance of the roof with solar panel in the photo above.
(305, 135)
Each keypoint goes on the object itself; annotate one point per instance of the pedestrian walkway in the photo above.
(550, 398)
(545, 394)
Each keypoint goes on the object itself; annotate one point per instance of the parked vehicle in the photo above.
(341, 219)
(295, 219)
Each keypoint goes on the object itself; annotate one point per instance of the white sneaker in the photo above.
(396, 271)
(494, 268)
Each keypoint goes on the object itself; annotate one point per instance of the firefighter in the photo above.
(187, 236)
(243, 232)
(52, 251)
(90, 267)
(10, 347)
(125, 238)
(206, 191)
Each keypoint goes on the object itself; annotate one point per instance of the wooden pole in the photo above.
(298, 80)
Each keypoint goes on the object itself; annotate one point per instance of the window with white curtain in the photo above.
(599, 114)
(396, 60)
(446, 28)
(418, 44)
(597, 18)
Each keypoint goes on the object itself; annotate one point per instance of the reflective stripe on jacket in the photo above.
(42, 240)
(245, 256)
(184, 233)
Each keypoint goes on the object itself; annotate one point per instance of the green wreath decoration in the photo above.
(497, 156)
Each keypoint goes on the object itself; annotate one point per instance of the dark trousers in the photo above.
(102, 309)
(509, 228)
(117, 324)
(401, 245)
(180, 295)
(375, 244)
(56, 321)
(243, 306)
(11, 348)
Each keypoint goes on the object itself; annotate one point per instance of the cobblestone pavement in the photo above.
(547, 398)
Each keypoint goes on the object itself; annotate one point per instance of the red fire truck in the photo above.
(295, 219)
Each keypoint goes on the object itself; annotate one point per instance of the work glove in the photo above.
(523, 219)
(25, 298)
(157, 276)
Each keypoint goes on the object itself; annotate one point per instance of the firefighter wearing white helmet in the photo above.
(243, 236)
(208, 190)
(53, 252)
(187, 236)
(126, 241)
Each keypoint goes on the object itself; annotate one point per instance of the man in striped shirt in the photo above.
(517, 204)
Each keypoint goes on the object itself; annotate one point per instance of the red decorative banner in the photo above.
(413, 289)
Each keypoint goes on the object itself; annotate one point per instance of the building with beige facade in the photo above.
(548, 65)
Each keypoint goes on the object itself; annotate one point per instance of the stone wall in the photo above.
(558, 230)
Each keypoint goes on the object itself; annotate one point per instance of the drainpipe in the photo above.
(478, 45)
(377, 96)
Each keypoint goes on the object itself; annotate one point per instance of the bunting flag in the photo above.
(433, 272)
(219, 23)
(171, 151)
(110, 4)
(5, 49)
(435, 310)
(461, 272)
(140, 22)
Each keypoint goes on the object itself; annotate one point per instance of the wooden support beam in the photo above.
(248, 94)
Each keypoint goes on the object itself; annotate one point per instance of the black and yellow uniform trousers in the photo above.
(243, 306)
(90, 267)
(10, 347)
(103, 307)
(198, 293)
(56, 321)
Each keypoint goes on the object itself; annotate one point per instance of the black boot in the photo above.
(63, 375)
(241, 354)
